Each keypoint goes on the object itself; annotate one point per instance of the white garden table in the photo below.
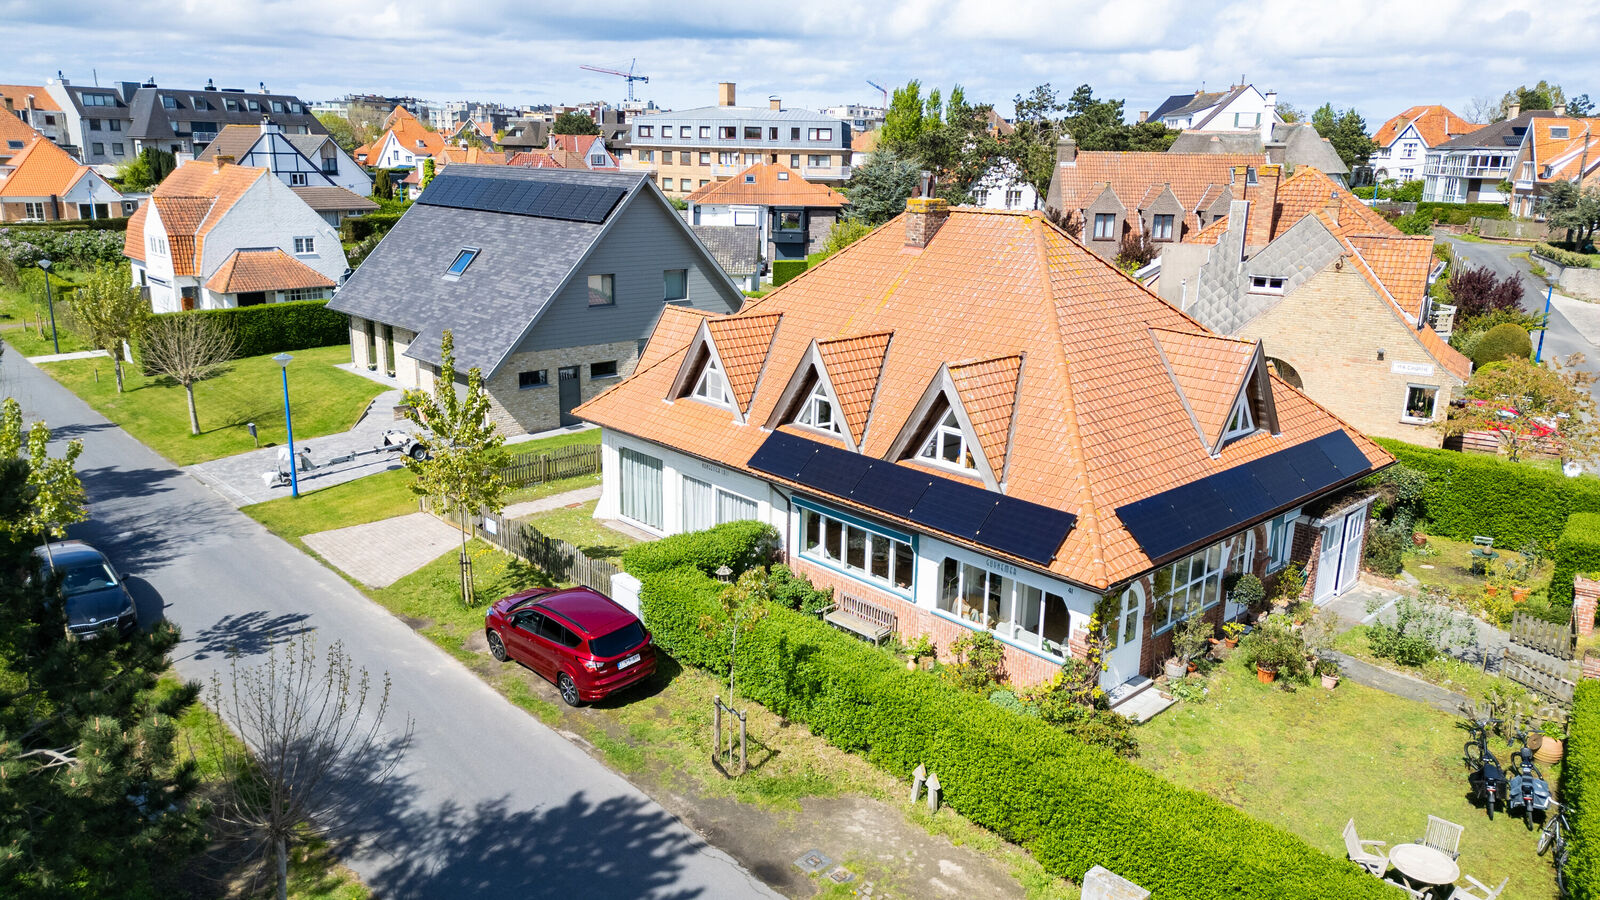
(1424, 866)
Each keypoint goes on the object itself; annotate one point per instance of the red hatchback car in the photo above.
(577, 637)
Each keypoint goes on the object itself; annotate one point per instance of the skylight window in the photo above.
(1558, 132)
(463, 259)
(749, 179)
(713, 385)
(947, 445)
(818, 411)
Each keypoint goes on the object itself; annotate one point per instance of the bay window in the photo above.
(1018, 612)
(1280, 534)
(870, 554)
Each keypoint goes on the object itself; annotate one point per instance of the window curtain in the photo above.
(641, 487)
(698, 513)
(734, 508)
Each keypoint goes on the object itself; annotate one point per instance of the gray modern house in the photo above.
(549, 280)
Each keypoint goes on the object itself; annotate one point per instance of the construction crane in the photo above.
(628, 75)
(883, 89)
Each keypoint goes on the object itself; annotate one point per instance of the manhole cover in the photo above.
(813, 861)
(841, 875)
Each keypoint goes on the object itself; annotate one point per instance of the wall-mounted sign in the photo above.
(1404, 368)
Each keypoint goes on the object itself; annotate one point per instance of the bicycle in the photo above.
(1554, 835)
(1485, 775)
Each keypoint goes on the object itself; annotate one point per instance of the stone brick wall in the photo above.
(524, 410)
(818, 223)
(360, 352)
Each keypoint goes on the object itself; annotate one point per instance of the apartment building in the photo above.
(686, 150)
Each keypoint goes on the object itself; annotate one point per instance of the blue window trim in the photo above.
(907, 594)
(973, 626)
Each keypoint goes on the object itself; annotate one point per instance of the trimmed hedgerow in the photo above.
(1580, 791)
(1564, 257)
(786, 269)
(1462, 213)
(1471, 494)
(737, 545)
(275, 327)
(1577, 552)
(1072, 805)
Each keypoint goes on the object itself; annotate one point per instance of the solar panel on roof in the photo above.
(834, 473)
(954, 509)
(1030, 530)
(569, 202)
(1196, 513)
(891, 488)
(783, 455)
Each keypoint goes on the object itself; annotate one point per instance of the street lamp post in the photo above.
(50, 300)
(1547, 295)
(283, 359)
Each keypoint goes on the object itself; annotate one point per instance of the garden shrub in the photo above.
(359, 228)
(1577, 551)
(1007, 700)
(1415, 223)
(1469, 494)
(1277, 647)
(796, 592)
(1417, 632)
(1564, 257)
(979, 662)
(1500, 342)
(1580, 791)
(276, 327)
(785, 269)
(1072, 805)
(1462, 213)
(1384, 551)
(83, 248)
(737, 545)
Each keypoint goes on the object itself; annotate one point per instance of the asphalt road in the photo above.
(486, 801)
(1561, 340)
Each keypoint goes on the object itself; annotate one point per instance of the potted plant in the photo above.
(1328, 671)
(1247, 591)
(1190, 640)
(1492, 589)
(1547, 742)
(1275, 649)
(1418, 539)
(921, 652)
(1231, 632)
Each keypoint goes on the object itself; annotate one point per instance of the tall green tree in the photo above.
(1580, 106)
(1098, 125)
(382, 185)
(340, 129)
(1031, 145)
(902, 121)
(956, 145)
(1347, 131)
(110, 308)
(879, 188)
(574, 123)
(1541, 96)
(461, 470)
(1565, 206)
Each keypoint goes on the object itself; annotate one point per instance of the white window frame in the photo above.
(305, 246)
(818, 411)
(980, 196)
(1280, 534)
(633, 506)
(1000, 597)
(1267, 284)
(1200, 589)
(309, 293)
(1242, 421)
(1405, 411)
(1161, 230)
(712, 385)
(298, 179)
(830, 539)
(32, 210)
(1110, 221)
(933, 449)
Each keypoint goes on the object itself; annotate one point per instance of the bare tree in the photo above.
(110, 308)
(1483, 110)
(301, 733)
(187, 348)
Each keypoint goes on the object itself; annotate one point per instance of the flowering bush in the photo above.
(24, 247)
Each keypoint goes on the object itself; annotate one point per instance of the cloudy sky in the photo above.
(1378, 55)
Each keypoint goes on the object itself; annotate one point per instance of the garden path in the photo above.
(545, 504)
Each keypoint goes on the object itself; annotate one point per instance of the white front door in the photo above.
(1124, 642)
(1355, 525)
(1339, 560)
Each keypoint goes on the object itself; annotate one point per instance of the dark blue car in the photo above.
(97, 600)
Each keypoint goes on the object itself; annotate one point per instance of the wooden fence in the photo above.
(564, 462)
(1546, 679)
(1545, 637)
(560, 560)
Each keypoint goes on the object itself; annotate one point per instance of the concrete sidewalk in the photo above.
(238, 478)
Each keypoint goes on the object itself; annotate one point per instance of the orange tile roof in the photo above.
(41, 169)
(853, 365)
(534, 159)
(1131, 175)
(1436, 124)
(133, 238)
(988, 392)
(245, 271)
(1209, 372)
(409, 131)
(473, 155)
(1559, 159)
(675, 328)
(16, 96)
(15, 131)
(1402, 263)
(1302, 195)
(742, 344)
(775, 185)
(1097, 420)
(192, 200)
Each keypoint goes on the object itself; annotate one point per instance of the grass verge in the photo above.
(577, 526)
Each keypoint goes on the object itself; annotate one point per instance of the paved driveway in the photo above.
(380, 553)
(487, 802)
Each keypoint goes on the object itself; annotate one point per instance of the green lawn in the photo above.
(577, 526)
(564, 439)
(381, 496)
(326, 400)
(23, 315)
(1311, 759)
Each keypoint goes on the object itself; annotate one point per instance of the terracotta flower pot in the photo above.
(1545, 749)
(1266, 676)
(1492, 590)
(1231, 642)
(1519, 594)
(1419, 540)
(1330, 681)
(1192, 667)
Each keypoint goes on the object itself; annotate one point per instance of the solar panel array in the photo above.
(544, 199)
(1195, 513)
(1017, 527)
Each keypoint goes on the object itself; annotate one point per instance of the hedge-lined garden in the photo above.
(276, 327)
(1564, 257)
(1462, 213)
(1072, 805)
(787, 270)
(1580, 791)
(1577, 552)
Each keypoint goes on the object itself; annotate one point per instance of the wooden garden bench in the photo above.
(870, 620)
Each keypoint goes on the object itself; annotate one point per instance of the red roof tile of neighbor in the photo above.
(775, 184)
(41, 169)
(1132, 175)
(16, 96)
(534, 159)
(1305, 193)
(192, 200)
(1435, 123)
(14, 131)
(673, 330)
(1560, 158)
(133, 238)
(1008, 303)
(409, 131)
(472, 155)
(264, 270)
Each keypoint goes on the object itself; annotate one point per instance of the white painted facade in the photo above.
(332, 166)
(269, 214)
(1403, 159)
(1251, 110)
(1002, 187)
(395, 155)
(92, 191)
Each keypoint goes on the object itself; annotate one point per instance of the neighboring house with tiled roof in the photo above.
(534, 159)
(405, 143)
(300, 160)
(214, 235)
(548, 279)
(1404, 141)
(1239, 108)
(483, 130)
(1472, 167)
(472, 156)
(737, 249)
(1554, 149)
(971, 422)
(586, 151)
(42, 183)
(15, 136)
(792, 216)
(33, 104)
(526, 134)
(1292, 145)
(1165, 195)
(1337, 296)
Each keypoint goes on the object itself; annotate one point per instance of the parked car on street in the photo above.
(97, 600)
(578, 638)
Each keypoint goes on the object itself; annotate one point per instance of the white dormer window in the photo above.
(1558, 132)
(297, 179)
(713, 385)
(1241, 422)
(947, 445)
(818, 411)
(1266, 284)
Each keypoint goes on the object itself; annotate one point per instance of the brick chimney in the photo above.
(924, 217)
(1066, 151)
(774, 104)
(222, 159)
(1514, 110)
(725, 93)
(1144, 116)
(1263, 199)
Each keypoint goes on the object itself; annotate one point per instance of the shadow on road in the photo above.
(71, 432)
(147, 600)
(113, 482)
(248, 634)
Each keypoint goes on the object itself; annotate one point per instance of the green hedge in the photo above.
(737, 545)
(116, 224)
(1072, 805)
(357, 228)
(1580, 791)
(1469, 494)
(1461, 213)
(275, 327)
(1564, 257)
(1577, 551)
(786, 269)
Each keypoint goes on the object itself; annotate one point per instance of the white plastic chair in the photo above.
(1373, 861)
(1489, 893)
